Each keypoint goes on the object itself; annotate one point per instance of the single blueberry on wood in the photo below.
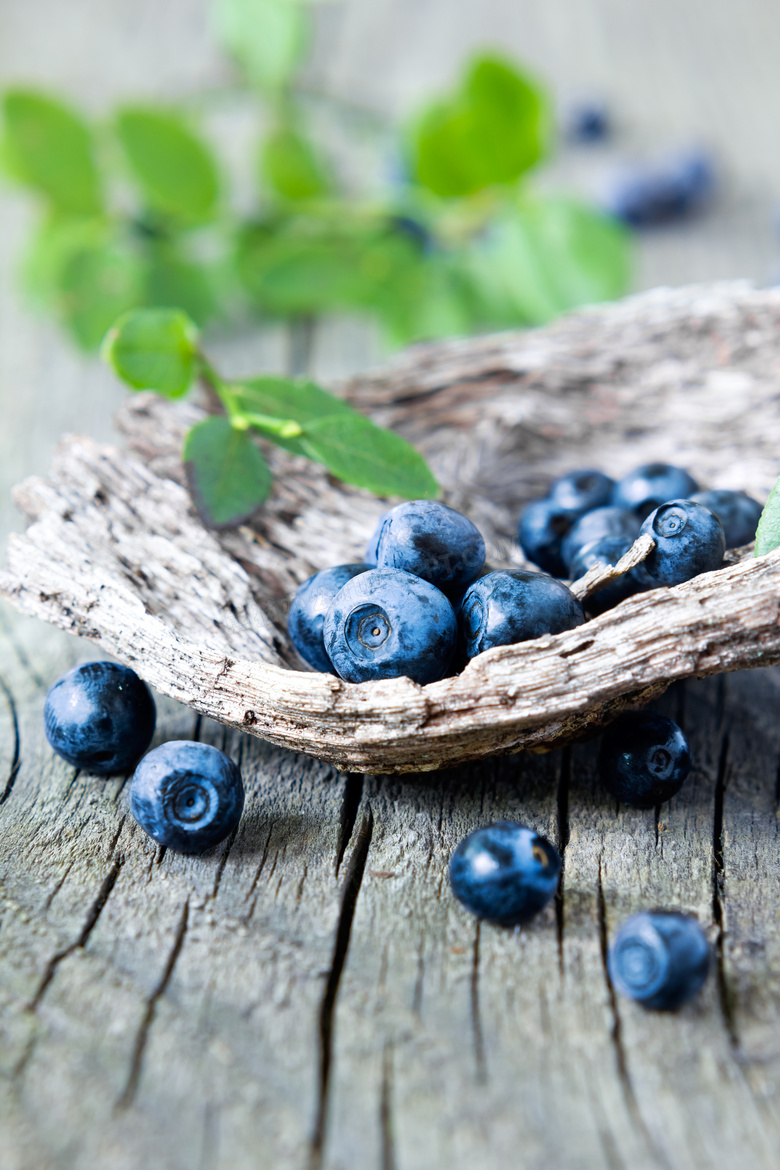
(738, 512)
(652, 484)
(644, 759)
(606, 551)
(307, 612)
(100, 717)
(582, 491)
(662, 192)
(505, 872)
(689, 540)
(432, 541)
(187, 795)
(387, 623)
(514, 605)
(541, 532)
(601, 522)
(660, 959)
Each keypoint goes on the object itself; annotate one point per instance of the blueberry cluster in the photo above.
(421, 603)
(100, 717)
(587, 519)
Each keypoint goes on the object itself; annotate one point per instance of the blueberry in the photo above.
(595, 525)
(540, 534)
(660, 959)
(582, 491)
(606, 551)
(433, 542)
(652, 484)
(689, 540)
(587, 121)
(738, 512)
(187, 795)
(505, 872)
(513, 605)
(100, 717)
(387, 623)
(644, 759)
(307, 612)
(646, 196)
(371, 547)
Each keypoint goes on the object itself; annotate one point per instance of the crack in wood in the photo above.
(726, 997)
(616, 1033)
(90, 922)
(477, 1033)
(388, 1159)
(350, 891)
(223, 862)
(16, 759)
(353, 794)
(139, 1048)
(563, 834)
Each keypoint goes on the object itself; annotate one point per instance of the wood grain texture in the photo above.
(113, 551)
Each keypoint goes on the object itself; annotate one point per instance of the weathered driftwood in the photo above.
(114, 552)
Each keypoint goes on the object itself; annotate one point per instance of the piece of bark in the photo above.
(114, 550)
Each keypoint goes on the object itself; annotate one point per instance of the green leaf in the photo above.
(291, 167)
(287, 398)
(542, 256)
(227, 475)
(154, 349)
(768, 531)
(493, 129)
(305, 265)
(266, 37)
(174, 167)
(48, 147)
(96, 285)
(173, 281)
(357, 451)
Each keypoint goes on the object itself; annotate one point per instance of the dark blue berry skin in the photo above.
(660, 959)
(689, 540)
(652, 484)
(738, 512)
(99, 717)
(505, 872)
(187, 795)
(371, 547)
(582, 491)
(387, 623)
(587, 122)
(540, 534)
(596, 525)
(664, 192)
(307, 612)
(606, 551)
(644, 759)
(514, 605)
(432, 541)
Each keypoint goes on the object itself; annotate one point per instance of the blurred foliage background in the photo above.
(445, 232)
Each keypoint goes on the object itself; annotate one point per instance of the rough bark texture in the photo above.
(114, 552)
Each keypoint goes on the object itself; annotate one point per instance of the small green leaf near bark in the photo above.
(154, 349)
(360, 453)
(768, 531)
(227, 475)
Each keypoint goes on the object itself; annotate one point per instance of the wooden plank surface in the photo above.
(309, 994)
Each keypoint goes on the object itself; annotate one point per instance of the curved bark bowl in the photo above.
(114, 552)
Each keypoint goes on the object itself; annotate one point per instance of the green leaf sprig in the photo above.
(228, 477)
(139, 210)
(768, 531)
